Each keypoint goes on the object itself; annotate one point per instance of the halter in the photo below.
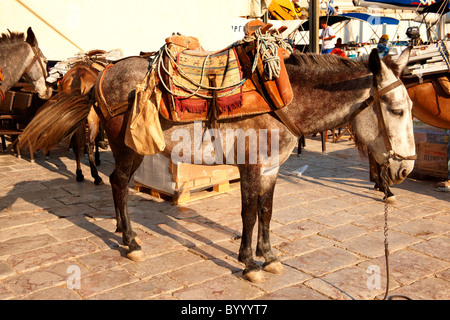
(375, 98)
(37, 52)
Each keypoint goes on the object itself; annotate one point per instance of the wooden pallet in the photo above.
(182, 182)
(188, 195)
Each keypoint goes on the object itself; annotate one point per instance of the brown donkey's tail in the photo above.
(56, 120)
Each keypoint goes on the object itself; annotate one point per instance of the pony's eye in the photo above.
(398, 112)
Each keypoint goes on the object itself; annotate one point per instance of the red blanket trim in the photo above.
(190, 105)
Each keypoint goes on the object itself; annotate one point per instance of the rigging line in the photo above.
(48, 24)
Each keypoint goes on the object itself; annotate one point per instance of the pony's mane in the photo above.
(326, 63)
(12, 37)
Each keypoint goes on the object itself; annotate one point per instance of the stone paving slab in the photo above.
(58, 240)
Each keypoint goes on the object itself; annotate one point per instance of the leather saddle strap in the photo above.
(107, 110)
(247, 66)
(288, 123)
(213, 110)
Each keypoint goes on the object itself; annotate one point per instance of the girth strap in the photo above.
(288, 123)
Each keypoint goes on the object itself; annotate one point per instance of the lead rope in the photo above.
(384, 178)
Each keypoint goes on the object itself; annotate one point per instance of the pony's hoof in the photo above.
(136, 255)
(79, 175)
(254, 276)
(274, 267)
(391, 200)
(98, 181)
(138, 241)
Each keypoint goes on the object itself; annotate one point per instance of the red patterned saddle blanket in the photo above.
(199, 85)
(197, 71)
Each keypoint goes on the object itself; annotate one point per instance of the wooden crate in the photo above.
(181, 182)
(7, 103)
(432, 159)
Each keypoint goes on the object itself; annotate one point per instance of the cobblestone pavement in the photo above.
(57, 237)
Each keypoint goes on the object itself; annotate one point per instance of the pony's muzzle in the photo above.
(48, 93)
(399, 170)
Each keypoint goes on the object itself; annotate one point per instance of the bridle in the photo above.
(375, 98)
(37, 54)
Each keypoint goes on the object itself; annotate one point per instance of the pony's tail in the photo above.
(56, 120)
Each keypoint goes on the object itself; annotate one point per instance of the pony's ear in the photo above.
(31, 38)
(402, 61)
(375, 62)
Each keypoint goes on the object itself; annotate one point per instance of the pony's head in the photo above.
(36, 71)
(385, 127)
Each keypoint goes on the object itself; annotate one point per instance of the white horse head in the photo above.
(36, 70)
(388, 128)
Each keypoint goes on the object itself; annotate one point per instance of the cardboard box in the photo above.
(431, 148)
(432, 159)
(154, 173)
(160, 174)
(420, 136)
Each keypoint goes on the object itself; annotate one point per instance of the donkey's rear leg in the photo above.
(126, 164)
(265, 205)
(92, 132)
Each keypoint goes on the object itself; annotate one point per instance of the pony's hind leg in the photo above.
(94, 172)
(119, 184)
(77, 143)
(119, 224)
(265, 205)
(92, 132)
(249, 199)
(126, 163)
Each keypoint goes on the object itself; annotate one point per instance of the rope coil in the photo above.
(267, 46)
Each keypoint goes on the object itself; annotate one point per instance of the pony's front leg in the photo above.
(265, 205)
(249, 198)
